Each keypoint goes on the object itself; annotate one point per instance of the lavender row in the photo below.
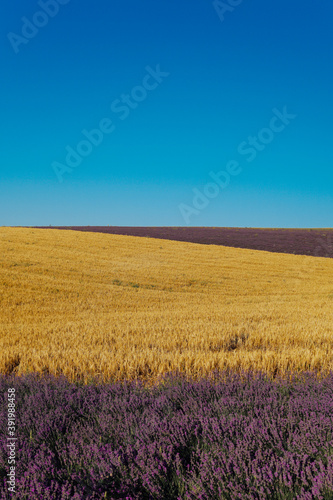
(228, 437)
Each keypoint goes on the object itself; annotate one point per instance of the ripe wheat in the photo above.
(123, 307)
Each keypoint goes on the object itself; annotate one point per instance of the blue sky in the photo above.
(167, 93)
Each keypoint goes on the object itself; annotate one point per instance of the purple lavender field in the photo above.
(227, 437)
(315, 242)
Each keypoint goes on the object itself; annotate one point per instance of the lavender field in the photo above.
(315, 242)
(227, 437)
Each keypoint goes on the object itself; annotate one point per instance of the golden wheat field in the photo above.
(123, 307)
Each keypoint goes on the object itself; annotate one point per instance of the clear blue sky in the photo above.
(179, 90)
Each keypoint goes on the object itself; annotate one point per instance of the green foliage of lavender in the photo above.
(228, 437)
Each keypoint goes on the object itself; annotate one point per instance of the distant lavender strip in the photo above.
(314, 242)
(231, 439)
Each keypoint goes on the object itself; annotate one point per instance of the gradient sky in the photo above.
(224, 73)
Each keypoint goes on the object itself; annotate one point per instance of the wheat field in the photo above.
(122, 307)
